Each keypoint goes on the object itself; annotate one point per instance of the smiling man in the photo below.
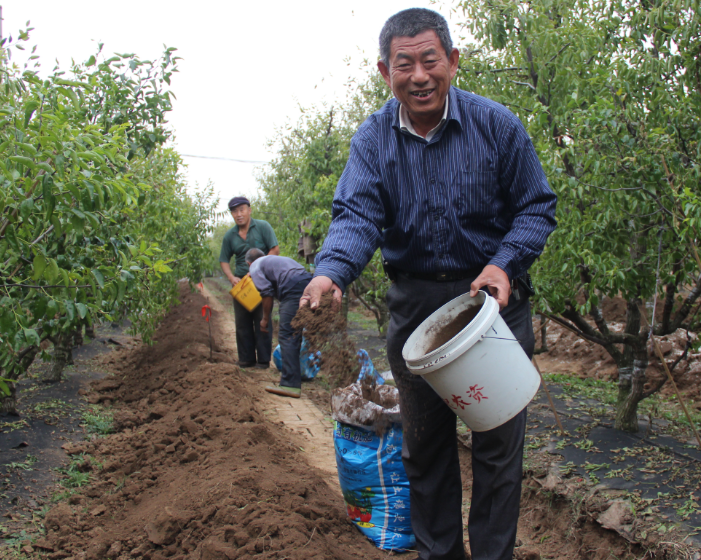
(448, 185)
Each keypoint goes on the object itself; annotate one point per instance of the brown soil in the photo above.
(448, 331)
(325, 331)
(196, 471)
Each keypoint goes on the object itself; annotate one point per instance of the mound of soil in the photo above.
(195, 471)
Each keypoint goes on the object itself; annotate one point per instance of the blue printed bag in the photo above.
(308, 361)
(374, 484)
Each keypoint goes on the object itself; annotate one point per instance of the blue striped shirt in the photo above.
(475, 194)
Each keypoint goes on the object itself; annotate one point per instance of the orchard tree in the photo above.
(610, 93)
(300, 182)
(94, 219)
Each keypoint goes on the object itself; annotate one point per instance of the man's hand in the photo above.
(319, 286)
(496, 281)
(264, 324)
(234, 280)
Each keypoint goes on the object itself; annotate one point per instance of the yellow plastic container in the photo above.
(246, 293)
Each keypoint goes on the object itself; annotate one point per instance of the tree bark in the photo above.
(631, 373)
(63, 345)
(631, 390)
(383, 319)
(8, 404)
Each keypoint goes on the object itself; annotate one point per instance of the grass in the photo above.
(604, 392)
(12, 426)
(657, 406)
(74, 475)
(24, 466)
(96, 420)
(361, 320)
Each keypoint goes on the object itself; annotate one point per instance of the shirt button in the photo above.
(433, 180)
(436, 218)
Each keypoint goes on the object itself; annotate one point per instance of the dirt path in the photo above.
(301, 416)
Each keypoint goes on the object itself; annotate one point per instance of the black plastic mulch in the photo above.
(661, 474)
(49, 417)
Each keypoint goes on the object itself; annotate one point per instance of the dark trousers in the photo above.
(250, 341)
(290, 340)
(430, 451)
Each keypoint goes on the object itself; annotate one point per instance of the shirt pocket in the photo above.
(478, 193)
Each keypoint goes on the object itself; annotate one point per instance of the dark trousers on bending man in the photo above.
(290, 340)
(430, 452)
(254, 346)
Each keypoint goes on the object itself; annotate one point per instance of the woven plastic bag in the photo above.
(368, 445)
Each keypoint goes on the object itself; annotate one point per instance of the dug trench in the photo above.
(196, 470)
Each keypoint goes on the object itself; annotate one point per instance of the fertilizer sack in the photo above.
(370, 470)
(308, 361)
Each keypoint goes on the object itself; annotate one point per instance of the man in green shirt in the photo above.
(254, 346)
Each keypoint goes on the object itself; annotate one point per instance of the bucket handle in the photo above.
(501, 338)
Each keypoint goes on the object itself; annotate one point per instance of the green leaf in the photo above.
(39, 265)
(70, 310)
(99, 277)
(82, 310)
(32, 337)
(51, 308)
(51, 272)
(4, 387)
(27, 162)
(25, 209)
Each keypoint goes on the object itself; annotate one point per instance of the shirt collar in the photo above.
(450, 112)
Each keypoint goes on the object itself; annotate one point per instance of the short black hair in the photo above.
(253, 255)
(411, 22)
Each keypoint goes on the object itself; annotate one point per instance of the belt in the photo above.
(449, 276)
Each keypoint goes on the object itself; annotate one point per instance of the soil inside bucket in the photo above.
(452, 328)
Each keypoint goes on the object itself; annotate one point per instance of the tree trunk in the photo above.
(8, 404)
(78, 337)
(383, 321)
(631, 383)
(631, 373)
(90, 331)
(63, 345)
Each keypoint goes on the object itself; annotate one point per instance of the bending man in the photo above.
(285, 279)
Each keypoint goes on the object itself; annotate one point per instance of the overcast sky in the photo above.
(247, 66)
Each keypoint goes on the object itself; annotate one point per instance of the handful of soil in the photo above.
(325, 331)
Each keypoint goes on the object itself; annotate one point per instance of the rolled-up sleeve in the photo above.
(357, 218)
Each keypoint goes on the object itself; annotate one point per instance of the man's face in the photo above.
(241, 215)
(419, 74)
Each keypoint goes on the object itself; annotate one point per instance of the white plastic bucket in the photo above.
(482, 373)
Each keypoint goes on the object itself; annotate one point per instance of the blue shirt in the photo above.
(475, 194)
(273, 275)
